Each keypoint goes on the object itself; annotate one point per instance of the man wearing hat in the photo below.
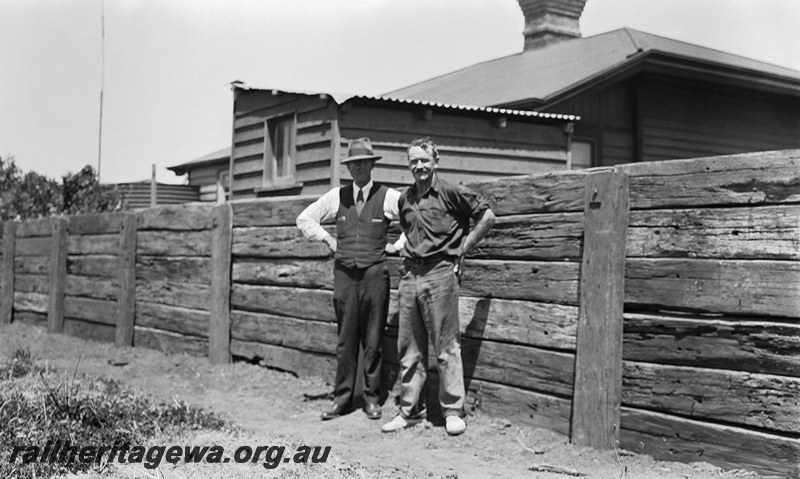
(362, 211)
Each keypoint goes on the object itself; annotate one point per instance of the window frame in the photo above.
(270, 177)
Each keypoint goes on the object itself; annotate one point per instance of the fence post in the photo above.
(219, 330)
(126, 296)
(58, 275)
(598, 363)
(9, 246)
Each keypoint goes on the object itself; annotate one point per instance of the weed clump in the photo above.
(37, 408)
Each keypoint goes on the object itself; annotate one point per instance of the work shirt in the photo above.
(437, 224)
(326, 207)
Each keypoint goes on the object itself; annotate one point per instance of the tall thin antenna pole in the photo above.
(102, 84)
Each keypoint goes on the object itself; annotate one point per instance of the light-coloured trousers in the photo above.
(428, 303)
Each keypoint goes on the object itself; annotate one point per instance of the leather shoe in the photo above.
(336, 411)
(373, 411)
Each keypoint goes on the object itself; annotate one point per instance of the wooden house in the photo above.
(209, 174)
(640, 97)
(290, 143)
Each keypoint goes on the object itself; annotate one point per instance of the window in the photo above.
(279, 151)
(582, 154)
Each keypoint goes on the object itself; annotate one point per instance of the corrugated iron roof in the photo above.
(341, 98)
(543, 73)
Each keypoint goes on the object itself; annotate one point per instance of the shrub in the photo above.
(31, 195)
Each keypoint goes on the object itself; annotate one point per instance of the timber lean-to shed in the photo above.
(289, 143)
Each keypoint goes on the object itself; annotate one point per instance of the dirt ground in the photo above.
(277, 404)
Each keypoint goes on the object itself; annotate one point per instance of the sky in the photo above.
(165, 66)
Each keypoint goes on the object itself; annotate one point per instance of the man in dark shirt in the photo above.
(435, 218)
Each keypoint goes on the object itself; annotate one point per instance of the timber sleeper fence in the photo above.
(652, 303)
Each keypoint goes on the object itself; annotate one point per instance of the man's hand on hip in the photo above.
(331, 242)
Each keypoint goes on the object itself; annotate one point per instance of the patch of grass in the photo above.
(37, 407)
(21, 363)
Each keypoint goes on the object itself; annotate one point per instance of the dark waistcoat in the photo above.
(361, 238)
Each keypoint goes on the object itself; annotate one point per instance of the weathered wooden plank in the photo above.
(58, 276)
(548, 193)
(32, 283)
(546, 281)
(301, 363)
(89, 330)
(168, 342)
(278, 242)
(95, 224)
(92, 287)
(36, 302)
(219, 339)
(293, 302)
(104, 266)
(302, 273)
(515, 365)
(533, 237)
(174, 293)
(762, 400)
(504, 363)
(598, 362)
(171, 318)
(126, 280)
(753, 346)
(105, 244)
(95, 310)
(7, 285)
(523, 322)
(269, 211)
(185, 217)
(38, 227)
(173, 243)
(767, 288)
(672, 438)
(36, 246)
(32, 318)
(770, 232)
(186, 268)
(302, 334)
(520, 406)
(747, 179)
(31, 264)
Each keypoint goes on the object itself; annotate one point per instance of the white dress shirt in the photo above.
(326, 207)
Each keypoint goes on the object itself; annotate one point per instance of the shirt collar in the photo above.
(434, 185)
(366, 189)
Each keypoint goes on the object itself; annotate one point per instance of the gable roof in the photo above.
(554, 70)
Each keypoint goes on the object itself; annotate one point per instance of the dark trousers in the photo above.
(361, 301)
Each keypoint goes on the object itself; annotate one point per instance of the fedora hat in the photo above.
(360, 149)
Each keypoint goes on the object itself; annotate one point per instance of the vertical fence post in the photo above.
(126, 277)
(598, 363)
(58, 275)
(9, 246)
(219, 331)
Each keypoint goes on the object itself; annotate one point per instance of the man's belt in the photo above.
(430, 259)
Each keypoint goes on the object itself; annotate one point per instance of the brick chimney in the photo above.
(550, 21)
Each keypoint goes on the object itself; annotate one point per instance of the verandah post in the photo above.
(598, 363)
(219, 330)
